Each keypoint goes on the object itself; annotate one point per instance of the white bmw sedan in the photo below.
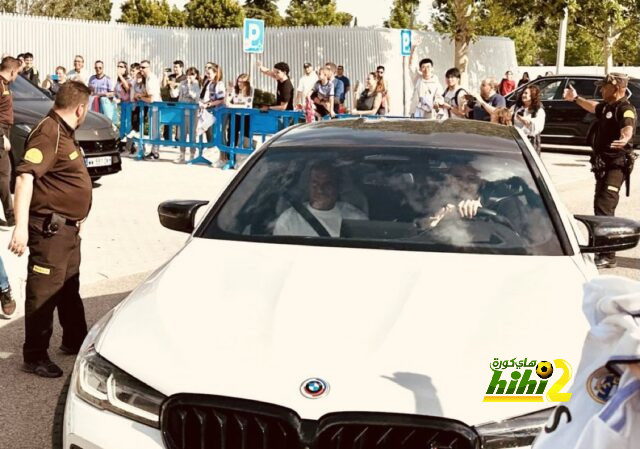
(350, 289)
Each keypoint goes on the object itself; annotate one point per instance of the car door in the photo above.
(576, 122)
(551, 91)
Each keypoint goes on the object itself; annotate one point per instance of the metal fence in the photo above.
(55, 42)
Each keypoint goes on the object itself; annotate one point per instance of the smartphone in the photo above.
(55, 78)
(168, 70)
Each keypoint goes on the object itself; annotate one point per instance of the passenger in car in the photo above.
(322, 215)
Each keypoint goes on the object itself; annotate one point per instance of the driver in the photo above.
(323, 205)
(462, 181)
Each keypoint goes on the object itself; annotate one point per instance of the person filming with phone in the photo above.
(53, 82)
(612, 158)
(529, 116)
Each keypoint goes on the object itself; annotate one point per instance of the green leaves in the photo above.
(266, 10)
(151, 12)
(316, 13)
(214, 14)
(403, 15)
(73, 9)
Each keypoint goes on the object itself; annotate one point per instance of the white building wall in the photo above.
(55, 42)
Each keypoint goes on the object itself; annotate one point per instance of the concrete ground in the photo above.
(123, 241)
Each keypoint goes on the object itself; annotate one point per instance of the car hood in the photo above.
(390, 331)
(95, 127)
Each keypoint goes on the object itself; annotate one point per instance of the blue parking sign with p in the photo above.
(253, 36)
(405, 42)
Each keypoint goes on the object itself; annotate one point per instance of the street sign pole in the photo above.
(405, 50)
(252, 43)
(404, 85)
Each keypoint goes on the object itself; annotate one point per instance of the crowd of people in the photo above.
(321, 92)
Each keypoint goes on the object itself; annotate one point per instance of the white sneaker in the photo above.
(179, 160)
(219, 164)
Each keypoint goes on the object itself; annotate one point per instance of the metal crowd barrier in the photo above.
(235, 128)
(184, 116)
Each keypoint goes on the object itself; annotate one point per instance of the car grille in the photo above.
(98, 146)
(215, 422)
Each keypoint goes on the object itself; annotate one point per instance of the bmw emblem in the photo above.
(314, 388)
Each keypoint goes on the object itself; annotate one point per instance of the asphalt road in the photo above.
(123, 241)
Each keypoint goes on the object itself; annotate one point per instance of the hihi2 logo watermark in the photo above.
(528, 381)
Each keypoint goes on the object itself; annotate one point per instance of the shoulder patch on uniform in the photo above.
(73, 156)
(6, 92)
(33, 155)
(629, 114)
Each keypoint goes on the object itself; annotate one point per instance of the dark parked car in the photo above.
(97, 135)
(567, 123)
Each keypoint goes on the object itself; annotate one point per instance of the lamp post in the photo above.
(562, 42)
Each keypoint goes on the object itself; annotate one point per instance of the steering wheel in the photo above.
(492, 215)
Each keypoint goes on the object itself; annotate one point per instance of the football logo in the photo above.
(544, 370)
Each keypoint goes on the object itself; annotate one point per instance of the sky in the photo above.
(362, 9)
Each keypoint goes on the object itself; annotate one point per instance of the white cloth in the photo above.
(291, 222)
(603, 414)
(239, 100)
(537, 122)
(152, 87)
(425, 94)
(306, 83)
(451, 100)
(83, 75)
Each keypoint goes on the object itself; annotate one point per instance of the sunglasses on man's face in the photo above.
(144, 66)
(122, 67)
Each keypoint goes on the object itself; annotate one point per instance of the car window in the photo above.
(24, 90)
(395, 199)
(584, 87)
(549, 89)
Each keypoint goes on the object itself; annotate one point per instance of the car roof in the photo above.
(578, 75)
(402, 133)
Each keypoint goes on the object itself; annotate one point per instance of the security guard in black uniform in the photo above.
(613, 157)
(53, 196)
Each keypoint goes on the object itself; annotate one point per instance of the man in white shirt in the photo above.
(305, 85)
(79, 73)
(323, 205)
(151, 95)
(427, 93)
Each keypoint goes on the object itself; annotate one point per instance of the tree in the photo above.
(463, 20)
(607, 20)
(266, 10)
(72, 9)
(403, 14)
(151, 12)
(214, 14)
(316, 13)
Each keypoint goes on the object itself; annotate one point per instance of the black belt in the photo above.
(67, 221)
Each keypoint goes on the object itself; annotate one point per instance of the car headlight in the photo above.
(107, 387)
(519, 431)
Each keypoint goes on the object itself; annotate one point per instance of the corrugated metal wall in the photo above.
(55, 42)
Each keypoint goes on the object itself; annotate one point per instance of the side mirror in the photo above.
(179, 215)
(609, 234)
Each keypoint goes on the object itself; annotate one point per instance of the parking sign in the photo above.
(405, 42)
(253, 36)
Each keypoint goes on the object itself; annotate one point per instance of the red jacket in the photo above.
(506, 87)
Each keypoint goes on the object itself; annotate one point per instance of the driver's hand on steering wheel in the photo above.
(469, 208)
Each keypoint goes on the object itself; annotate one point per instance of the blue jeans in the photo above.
(4, 280)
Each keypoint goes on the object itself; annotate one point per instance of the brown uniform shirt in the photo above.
(62, 183)
(6, 105)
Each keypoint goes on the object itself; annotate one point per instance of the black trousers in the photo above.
(5, 177)
(607, 195)
(53, 281)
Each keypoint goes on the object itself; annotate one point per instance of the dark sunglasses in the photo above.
(144, 66)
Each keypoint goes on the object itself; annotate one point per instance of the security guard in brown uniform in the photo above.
(612, 158)
(53, 196)
(9, 70)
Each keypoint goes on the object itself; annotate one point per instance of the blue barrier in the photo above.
(184, 116)
(245, 124)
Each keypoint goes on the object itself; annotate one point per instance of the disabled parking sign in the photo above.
(253, 36)
(405, 42)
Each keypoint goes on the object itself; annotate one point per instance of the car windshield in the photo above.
(24, 90)
(392, 199)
